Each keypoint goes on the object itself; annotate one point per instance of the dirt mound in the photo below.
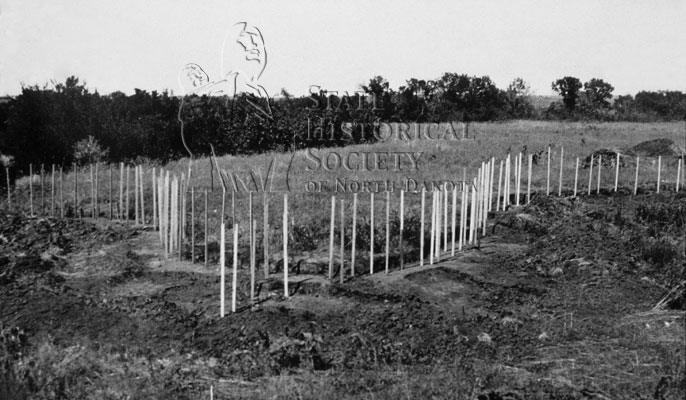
(607, 156)
(656, 147)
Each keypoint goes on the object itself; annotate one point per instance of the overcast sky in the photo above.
(126, 44)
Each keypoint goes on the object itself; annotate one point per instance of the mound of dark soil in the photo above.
(657, 147)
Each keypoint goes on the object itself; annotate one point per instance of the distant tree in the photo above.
(88, 151)
(518, 101)
(568, 87)
(598, 93)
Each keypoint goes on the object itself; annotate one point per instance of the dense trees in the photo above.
(63, 122)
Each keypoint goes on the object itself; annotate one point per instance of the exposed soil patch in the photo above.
(557, 302)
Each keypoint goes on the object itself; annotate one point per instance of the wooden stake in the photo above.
(97, 190)
(253, 265)
(331, 234)
(142, 184)
(160, 202)
(181, 213)
(135, 194)
(52, 192)
(155, 200)
(222, 266)
(547, 187)
(600, 168)
(463, 211)
(253, 253)
(353, 245)
(590, 175)
(31, 188)
(9, 193)
(110, 195)
(402, 228)
(453, 221)
(617, 173)
(562, 159)
(432, 241)
(421, 230)
(388, 227)
(166, 212)
(234, 281)
(659, 170)
(371, 233)
(235, 227)
(285, 245)
(576, 175)
(472, 219)
(126, 213)
(519, 176)
(342, 233)
(506, 187)
(678, 174)
(487, 174)
(61, 193)
(92, 192)
(636, 178)
(500, 181)
(192, 221)
(42, 189)
(265, 232)
(445, 218)
(76, 193)
(490, 184)
(121, 191)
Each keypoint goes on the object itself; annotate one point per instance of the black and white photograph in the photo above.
(301, 199)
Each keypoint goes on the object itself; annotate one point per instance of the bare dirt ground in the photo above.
(557, 302)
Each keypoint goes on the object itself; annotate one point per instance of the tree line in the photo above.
(66, 123)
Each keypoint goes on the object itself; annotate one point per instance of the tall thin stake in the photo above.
(421, 230)
(617, 173)
(52, 192)
(61, 193)
(234, 281)
(562, 160)
(331, 234)
(659, 170)
(453, 220)
(265, 232)
(388, 227)
(222, 266)
(590, 175)
(192, 222)
(547, 186)
(600, 168)
(31, 188)
(354, 239)
(576, 175)
(235, 226)
(371, 233)
(342, 233)
(110, 196)
(402, 228)
(500, 181)
(285, 245)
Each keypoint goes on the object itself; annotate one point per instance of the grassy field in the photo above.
(440, 160)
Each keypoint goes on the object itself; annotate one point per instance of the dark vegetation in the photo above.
(46, 124)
